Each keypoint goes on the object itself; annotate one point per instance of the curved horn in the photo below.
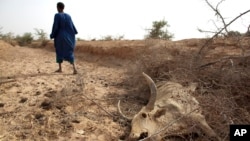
(119, 109)
(153, 90)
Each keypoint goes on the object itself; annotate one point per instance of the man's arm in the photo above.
(55, 27)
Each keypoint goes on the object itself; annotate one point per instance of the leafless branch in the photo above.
(216, 10)
(215, 35)
(219, 60)
(217, 6)
(206, 31)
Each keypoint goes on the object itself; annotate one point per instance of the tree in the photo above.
(42, 36)
(159, 31)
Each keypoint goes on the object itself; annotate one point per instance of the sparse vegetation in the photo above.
(112, 38)
(9, 38)
(42, 36)
(159, 31)
(25, 39)
(234, 34)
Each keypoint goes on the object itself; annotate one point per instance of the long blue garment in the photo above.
(63, 32)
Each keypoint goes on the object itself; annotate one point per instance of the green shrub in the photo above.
(9, 38)
(25, 39)
(112, 38)
(158, 32)
(233, 34)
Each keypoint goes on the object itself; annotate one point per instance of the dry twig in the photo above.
(219, 60)
(215, 35)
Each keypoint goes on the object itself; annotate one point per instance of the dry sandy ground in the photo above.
(38, 104)
(42, 105)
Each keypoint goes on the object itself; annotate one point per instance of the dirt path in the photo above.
(36, 103)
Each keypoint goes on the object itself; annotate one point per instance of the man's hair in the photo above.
(60, 5)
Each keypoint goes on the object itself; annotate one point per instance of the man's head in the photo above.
(60, 7)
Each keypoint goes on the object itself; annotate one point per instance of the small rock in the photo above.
(23, 99)
(106, 85)
(46, 104)
(76, 121)
(81, 132)
(59, 106)
(49, 94)
(32, 104)
(39, 116)
(1, 104)
(38, 93)
(75, 90)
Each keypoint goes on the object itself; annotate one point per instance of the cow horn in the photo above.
(119, 109)
(153, 90)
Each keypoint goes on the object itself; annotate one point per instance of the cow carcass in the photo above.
(172, 113)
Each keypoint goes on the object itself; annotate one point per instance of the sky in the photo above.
(99, 18)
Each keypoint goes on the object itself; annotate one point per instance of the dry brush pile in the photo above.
(222, 71)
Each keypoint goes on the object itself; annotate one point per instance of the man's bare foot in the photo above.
(75, 72)
(58, 71)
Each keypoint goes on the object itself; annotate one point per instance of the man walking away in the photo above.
(63, 33)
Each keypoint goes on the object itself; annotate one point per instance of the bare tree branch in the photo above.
(216, 10)
(217, 6)
(220, 60)
(215, 35)
(206, 31)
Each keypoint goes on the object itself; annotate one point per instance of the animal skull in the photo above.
(171, 112)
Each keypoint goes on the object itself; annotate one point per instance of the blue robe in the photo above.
(63, 32)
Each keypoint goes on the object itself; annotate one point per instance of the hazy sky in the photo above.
(98, 18)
